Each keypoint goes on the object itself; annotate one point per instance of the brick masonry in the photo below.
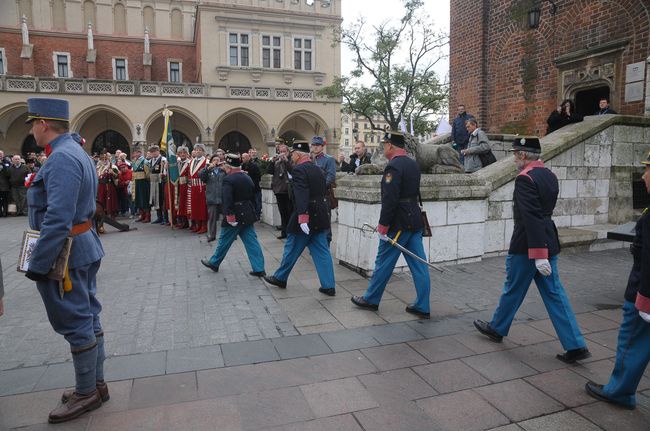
(505, 73)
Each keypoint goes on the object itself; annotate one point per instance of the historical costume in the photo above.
(182, 194)
(141, 187)
(107, 191)
(197, 207)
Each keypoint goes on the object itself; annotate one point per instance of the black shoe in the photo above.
(329, 292)
(211, 239)
(207, 264)
(360, 301)
(485, 329)
(411, 309)
(596, 391)
(258, 273)
(282, 236)
(275, 282)
(570, 356)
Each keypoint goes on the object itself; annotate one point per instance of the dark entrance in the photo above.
(235, 142)
(290, 136)
(587, 100)
(110, 140)
(29, 146)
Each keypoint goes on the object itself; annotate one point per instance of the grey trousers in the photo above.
(19, 196)
(214, 210)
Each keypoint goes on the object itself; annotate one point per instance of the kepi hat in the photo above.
(317, 140)
(233, 160)
(47, 109)
(301, 145)
(529, 144)
(395, 138)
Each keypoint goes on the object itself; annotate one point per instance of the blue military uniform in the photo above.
(633, 347)
(61, 201)
(308, 190)
(239, 207)
(400, 215)
(328, 166)
(535, 237)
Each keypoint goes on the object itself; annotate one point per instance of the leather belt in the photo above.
(80, 228)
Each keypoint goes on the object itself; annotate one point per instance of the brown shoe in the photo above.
(102, 387)
(75, 407)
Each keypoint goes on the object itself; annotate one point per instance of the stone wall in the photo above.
(471, 214)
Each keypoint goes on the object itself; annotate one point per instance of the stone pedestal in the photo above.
(27, 60)
(270, 212)
(146, 62)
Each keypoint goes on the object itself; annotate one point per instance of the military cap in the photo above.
(647, 160)
(529, 143)
(395, 138)
(300, 145)
(317, 140)
(199, 147)
(233, 160)
(47, 109)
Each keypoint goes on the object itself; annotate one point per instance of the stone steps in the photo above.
(588, 238)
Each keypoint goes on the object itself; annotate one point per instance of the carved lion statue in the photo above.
(432, 159)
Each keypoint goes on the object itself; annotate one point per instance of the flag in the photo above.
(402, 124)
(412, 133)
(167, 145)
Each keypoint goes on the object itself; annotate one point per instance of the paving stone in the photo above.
(544, 325)
(499, 366)
(540, 356)
(337, 397)
(607, 339)
(600, 372)
(524, 335)
(396, 385)
(319, 329)
(20, 380)
(519, 400)
(563, 421)
(564, 385)
(28, 409)
(511, 427)
(120, 393)
(56, 376)
(396, 416)
(441, 348)
(615, 315)
(221, 414)
(349, 339)
(450, 376)
(300, 346)
(335, 423)
(163, 390)
(393, 356)
(340, 365)
(249, 352)
(193, 359)
(272, 408)
(141, 419)
(481, 344)
(612, 418)
(474, 415)
(358, 318)
(80, 424)
(591, 322)
(394, 333)
(134, 366)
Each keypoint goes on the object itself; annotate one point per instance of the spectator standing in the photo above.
(124, 177)
(478, 144)
(213, 175)
(358, 158)
(459, 134)
(17, 173)
(253, 171)
(564, 115)
(5, 164)
(280, 168)
(604, 108)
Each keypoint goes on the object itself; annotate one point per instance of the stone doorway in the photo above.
(587, 100)
(235, 142)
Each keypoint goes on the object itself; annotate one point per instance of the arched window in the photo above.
(235, 142)
(25, 8)
(149, 19)
(58, 15)
(110, 140)
(177, 24)
(89, 15)
(119, 19)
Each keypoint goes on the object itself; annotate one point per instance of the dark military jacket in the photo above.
(308, 191)
(638, 284)
(400, 187)
(237, 199)
(535, 234)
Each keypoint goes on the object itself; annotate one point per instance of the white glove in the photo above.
(305, 228)
(233, 223)
(543, 266)
(382, 237)
(645, 316)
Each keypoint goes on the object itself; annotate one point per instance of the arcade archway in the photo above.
(243, 127)
(13, 130)
(185, 129)
(105, 127)
(111, 141)
(235, 142)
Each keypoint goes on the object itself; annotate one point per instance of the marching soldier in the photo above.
(328, 165)
(141, 183)
(61, 202)
(401, 220)
(633, 350)
(238, 198)
(309, 222)
(534, 248)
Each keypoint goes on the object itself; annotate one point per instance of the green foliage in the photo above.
(393, 75)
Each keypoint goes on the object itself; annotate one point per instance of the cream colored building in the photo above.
(355, 127)
(234, 72)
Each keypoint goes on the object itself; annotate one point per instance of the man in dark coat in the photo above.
(358, 158)
(400, 219)
(309, 222)
(633, 349)
(459, 133)
(604, 108)
(5, 164)
(250, 166)
(533, 254)
(280, 168)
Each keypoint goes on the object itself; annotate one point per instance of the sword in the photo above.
(393, 241)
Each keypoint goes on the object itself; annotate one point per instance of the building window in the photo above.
(61, 64)
(271, 52)
(239, 50)
(347, 131)
(3, 62)
(347, 142)
(175, 71)
(120, 69)
(302, 54)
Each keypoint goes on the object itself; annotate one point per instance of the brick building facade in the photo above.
(512, 76)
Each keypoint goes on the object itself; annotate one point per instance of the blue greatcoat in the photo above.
(62, 195)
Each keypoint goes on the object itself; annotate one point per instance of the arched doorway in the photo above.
(185, 128)
(181, 138)
(587, 100)
(235, 142)
(29, 146)
(289, 136)
(110, 140)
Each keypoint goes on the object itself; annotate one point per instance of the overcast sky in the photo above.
(377, 11)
